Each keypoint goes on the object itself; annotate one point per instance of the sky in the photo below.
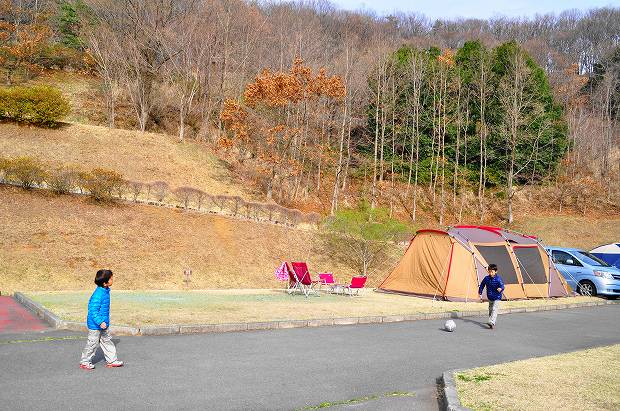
(449, 9)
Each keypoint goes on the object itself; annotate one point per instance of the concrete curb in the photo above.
(174, 329)
(450, 395)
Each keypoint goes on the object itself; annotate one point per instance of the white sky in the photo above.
(449, 9)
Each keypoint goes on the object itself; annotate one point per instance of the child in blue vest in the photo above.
(98, 322)
(495, 288)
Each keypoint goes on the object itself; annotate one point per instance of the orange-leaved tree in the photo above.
(283, 118)
(23, 36)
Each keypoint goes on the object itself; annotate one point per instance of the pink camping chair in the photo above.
(357, 283)
(281, 273)
(300, 277)
(327, 280)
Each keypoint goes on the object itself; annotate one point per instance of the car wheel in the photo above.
(587, 288)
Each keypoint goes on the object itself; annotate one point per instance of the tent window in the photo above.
(532, 268)
(498, 254)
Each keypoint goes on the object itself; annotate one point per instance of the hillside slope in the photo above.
(144, 157)
(58, 242)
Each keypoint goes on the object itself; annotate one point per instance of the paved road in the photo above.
(288, 369)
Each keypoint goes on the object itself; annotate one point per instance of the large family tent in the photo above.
(451, 264)
(609, 253)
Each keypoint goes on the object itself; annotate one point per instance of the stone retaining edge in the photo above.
(173, 329)
(451, 401)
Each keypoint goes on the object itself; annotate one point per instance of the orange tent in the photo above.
(451, 264)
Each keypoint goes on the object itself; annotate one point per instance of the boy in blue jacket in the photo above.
(98, 322)
(495, 288)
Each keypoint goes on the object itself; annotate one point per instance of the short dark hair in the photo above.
(102, 277)
(493, 267)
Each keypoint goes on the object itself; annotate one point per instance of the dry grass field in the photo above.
(144, 157)
(58, 242)
(581, 380)
(138, 308)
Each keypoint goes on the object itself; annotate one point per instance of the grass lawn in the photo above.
(229, 306)
(581, 380)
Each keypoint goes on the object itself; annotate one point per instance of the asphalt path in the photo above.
(286, 369)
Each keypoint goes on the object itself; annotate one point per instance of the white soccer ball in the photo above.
(450, 325)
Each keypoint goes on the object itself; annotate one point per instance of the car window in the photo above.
(592, 259)
(562, 257)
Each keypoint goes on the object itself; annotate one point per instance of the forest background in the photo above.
(319, 108)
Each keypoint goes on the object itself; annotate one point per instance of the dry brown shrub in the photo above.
(185, 195)
(236, 204)
(26, 171)
(201, 197)
(103, 184)
(220, 202)
(64, 180)
(135, 188)
(313, 218)
(160, 190)
(5, 163)
(271, 210)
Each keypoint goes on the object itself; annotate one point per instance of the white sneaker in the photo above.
(87, 366)
(114, 364)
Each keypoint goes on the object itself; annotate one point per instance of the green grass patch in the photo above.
(475, 378)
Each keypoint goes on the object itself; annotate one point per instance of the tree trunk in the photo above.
(340, 157)
(346, 166)
(373, 194)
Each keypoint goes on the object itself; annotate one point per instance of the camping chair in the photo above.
(357, 283)
(293, 281)
(300, 279)
(282, 274)
(327, 280)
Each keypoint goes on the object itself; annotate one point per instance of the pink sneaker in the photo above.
(114, 364)
(87, 366)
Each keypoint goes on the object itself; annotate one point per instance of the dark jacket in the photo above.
(98, 309)
(492, 284)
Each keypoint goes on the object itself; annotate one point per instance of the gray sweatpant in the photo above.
(96, 338)
(493, 309)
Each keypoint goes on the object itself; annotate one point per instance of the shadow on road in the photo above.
(479, 323)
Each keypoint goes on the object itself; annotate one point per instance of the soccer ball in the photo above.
(450, 325)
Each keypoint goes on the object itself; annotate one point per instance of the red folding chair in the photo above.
(357, 283)
(327, 280)
(301, 280)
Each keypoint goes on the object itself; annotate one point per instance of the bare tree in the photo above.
(105, 49)
(160, 190)
(521, 112)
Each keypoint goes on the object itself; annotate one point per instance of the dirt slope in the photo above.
(138, 156)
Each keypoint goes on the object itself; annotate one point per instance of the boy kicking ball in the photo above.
(98, 322)
(495, 287)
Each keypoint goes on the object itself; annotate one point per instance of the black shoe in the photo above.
(491, 326)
